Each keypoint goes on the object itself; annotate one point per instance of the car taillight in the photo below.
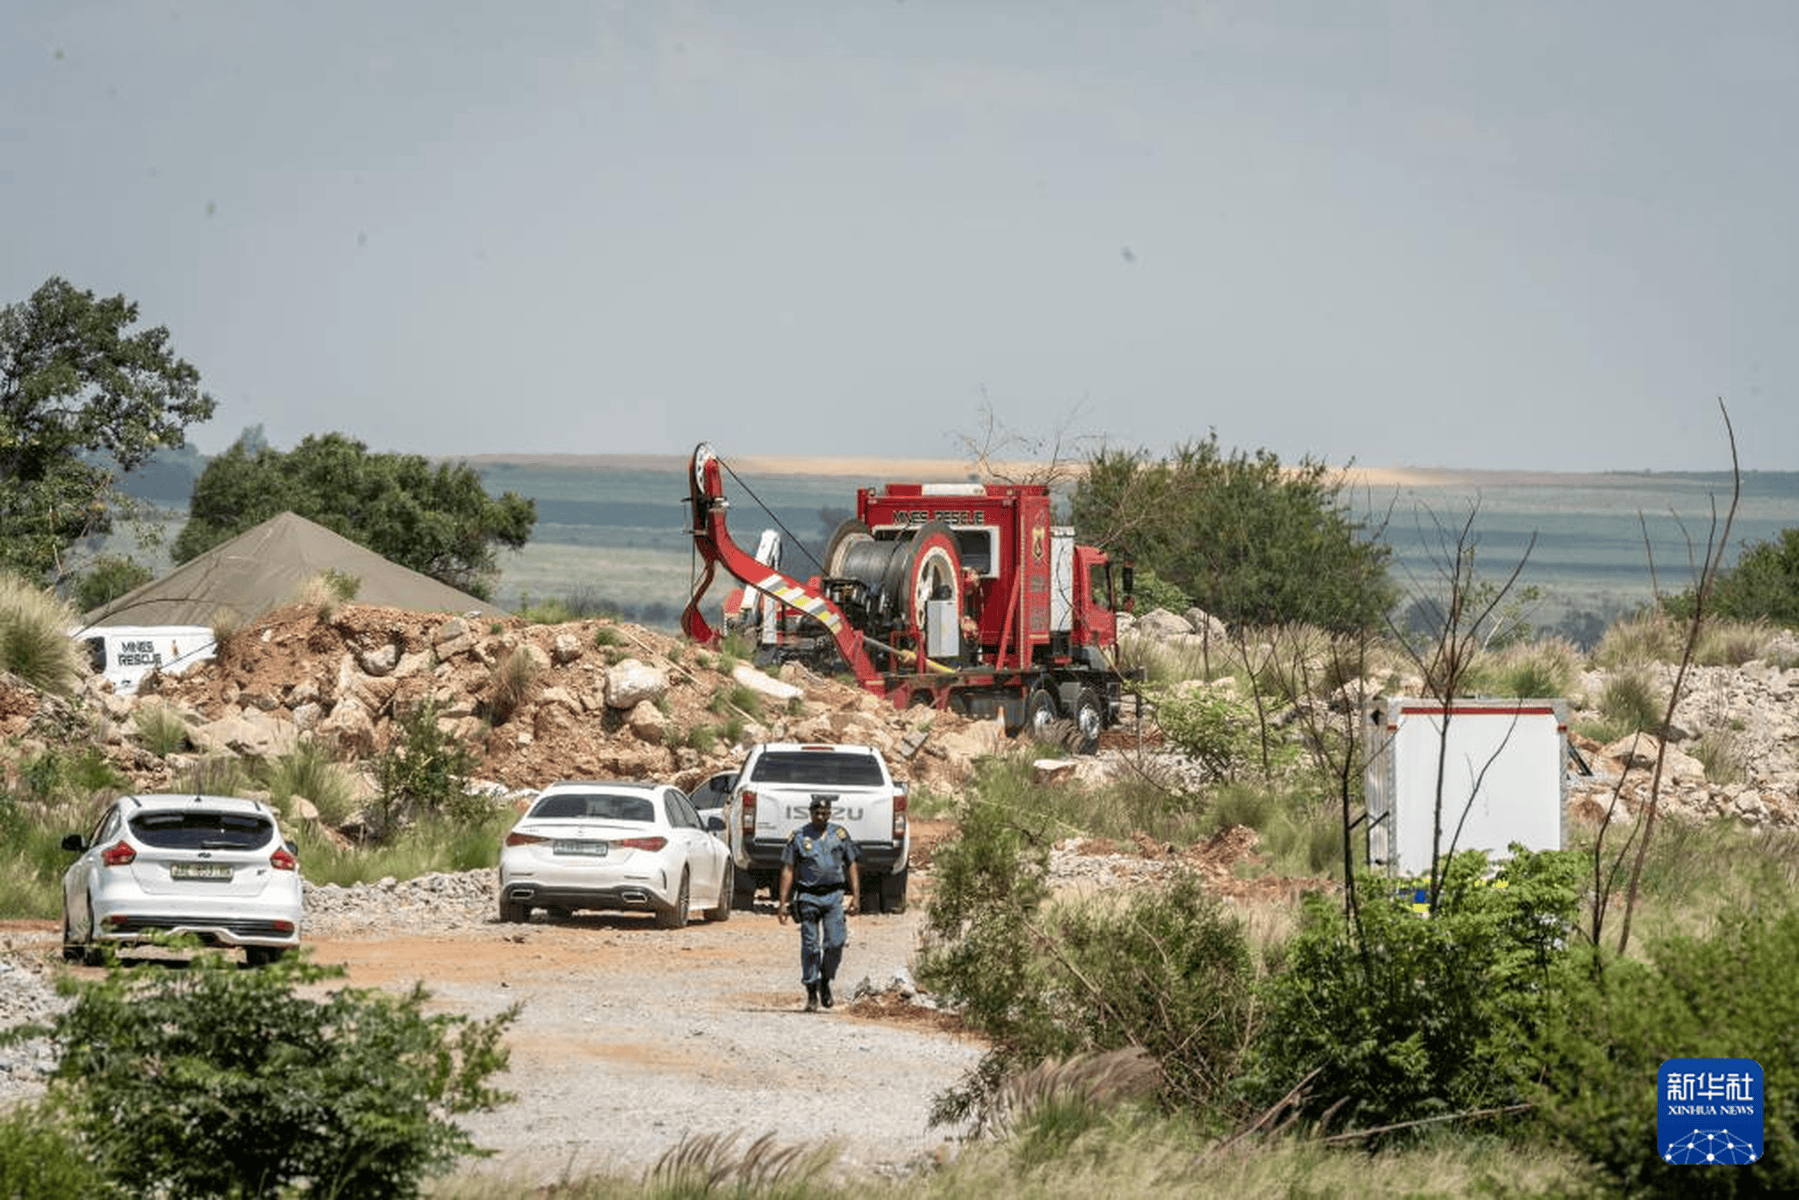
(899, 814)
(283, 860)
(746, 817)
(119, 854)
(652, 844)
(524, 839)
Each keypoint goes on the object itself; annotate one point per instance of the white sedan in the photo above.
(619, 847)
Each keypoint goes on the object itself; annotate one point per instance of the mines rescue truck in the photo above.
(962, 596)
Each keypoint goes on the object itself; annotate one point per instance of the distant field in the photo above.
(620, 529)
(614, 527)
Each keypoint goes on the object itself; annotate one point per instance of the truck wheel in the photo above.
(1089, 719)
(1039, 715)
(743, 890)
(871, 892)
(893, 892)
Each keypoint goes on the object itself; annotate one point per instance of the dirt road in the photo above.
(632, 1038)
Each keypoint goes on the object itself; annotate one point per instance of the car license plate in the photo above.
(200, 870)
(590, 849)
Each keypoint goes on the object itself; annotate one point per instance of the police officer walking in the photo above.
(818, 862)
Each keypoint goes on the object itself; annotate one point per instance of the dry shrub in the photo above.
(512, 684)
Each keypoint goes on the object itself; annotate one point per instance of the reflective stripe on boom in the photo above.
(795, 597)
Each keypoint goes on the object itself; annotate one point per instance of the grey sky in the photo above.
(1502, 235)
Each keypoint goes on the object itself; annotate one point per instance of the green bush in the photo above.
(1153, 592)
(1398, 1017)
(56, 777)
(1211, 726)
(987, 886)
(218, 1082)
(32, 861)
(548, 611)
(161, 727)
(110, 577)
(1762, 586)
(310, 770)
(40, 1156)
(34, 637)
(426, 771)
(1165, 970)
(1728, 996)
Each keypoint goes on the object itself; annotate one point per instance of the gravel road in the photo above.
(630, 1038)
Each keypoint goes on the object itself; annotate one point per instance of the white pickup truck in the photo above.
(773, 795)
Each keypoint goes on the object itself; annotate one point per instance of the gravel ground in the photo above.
(632, 1039)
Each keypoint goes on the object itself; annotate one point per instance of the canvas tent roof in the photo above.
(265, 567)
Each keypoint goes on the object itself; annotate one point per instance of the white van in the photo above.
(127, 653)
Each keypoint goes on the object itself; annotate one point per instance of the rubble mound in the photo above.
(590, 699)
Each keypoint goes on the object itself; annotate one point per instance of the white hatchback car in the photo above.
(619, 847)
(212, 866)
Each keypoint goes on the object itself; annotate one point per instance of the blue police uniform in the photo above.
(821, 864)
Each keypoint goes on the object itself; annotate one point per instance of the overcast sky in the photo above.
(1507, 235)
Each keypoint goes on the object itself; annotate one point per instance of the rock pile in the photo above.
(590, 699)
(603, 699)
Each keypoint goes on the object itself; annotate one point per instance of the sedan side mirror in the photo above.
(75, 843)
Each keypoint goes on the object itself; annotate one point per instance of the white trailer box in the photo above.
(1504, 770)
(127, 653)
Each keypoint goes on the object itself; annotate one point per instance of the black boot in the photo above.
(824, 992)
(812, 997)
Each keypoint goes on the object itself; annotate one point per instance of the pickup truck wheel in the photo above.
(871, 893)
(743, 890)
(727, 888)
(893, 891)
(676, 916)
(1039, 715)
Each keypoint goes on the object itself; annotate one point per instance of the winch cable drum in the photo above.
(901, 572)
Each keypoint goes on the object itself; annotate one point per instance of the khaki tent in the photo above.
(263, 568)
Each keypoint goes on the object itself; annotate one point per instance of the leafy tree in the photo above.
(79, 398)
(436, 519)
(216, 1081)
(1251, 541)
(1764, 585)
